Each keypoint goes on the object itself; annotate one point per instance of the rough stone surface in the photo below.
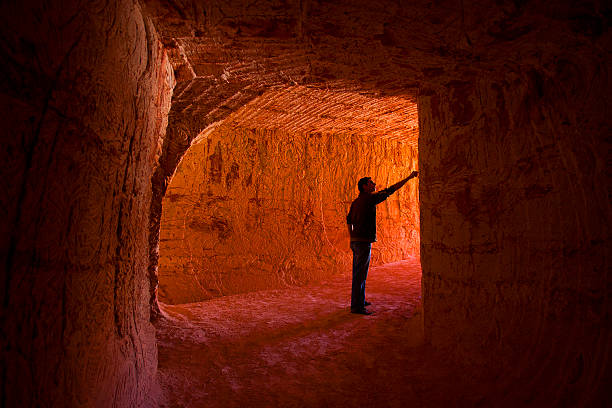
(85, 89)
(514, 117)
(515, 227)
(514, 108)
(258, 209)
(299, 347)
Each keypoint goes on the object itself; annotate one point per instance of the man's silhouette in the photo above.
(361, 221)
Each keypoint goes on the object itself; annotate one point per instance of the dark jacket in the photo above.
(362, 215)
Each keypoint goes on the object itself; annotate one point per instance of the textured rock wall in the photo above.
(515, 117)
(515, 131)
(250, 209)
(84, 88)
(515, 237)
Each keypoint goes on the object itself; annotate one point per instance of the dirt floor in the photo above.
(300, 347)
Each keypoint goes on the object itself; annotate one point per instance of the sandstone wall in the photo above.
(84, 88)
(514, 172)
(515, 238)
(254, 209)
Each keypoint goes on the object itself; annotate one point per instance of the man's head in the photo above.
(366, 185)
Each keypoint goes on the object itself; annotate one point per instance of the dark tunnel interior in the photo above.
(158, 152)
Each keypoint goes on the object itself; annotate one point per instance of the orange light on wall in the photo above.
(260, 200)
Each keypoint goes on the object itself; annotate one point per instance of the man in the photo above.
(361, 221)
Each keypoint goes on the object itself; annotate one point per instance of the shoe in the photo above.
(363, 311)
(366, 303)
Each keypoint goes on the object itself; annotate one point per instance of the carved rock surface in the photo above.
(514, 116)
(252, 209)
(85, 90)
(513, 225)
(514, 110)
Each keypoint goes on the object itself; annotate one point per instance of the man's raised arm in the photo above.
(392, 189)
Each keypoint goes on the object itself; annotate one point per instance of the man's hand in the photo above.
(400, 184)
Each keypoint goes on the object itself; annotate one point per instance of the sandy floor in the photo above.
(300, 347)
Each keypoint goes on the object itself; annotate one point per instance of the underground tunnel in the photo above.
(259, 201)
(110, 106)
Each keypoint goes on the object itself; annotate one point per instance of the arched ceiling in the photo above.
(225, 53)
(387, 44)
(231, 55)
(335, 111)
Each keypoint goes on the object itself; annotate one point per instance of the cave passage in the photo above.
(301, 347)
(249, 124)
(259, 202)
(255, 263)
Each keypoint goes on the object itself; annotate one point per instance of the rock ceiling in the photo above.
(225, 54)
(308, 110)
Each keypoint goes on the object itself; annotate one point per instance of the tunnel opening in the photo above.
(259, 200)
(255, 262)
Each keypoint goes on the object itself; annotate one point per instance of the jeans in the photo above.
(361, 263)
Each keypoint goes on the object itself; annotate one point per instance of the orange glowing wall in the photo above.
(251, 209)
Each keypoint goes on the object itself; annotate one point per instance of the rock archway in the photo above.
(259, 201)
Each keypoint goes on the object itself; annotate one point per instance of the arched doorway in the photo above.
(259, 202)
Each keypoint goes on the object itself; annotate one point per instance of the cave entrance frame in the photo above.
(383, 131)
